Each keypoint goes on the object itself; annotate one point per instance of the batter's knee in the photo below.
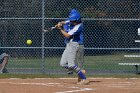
(75, 68)
(62, 64)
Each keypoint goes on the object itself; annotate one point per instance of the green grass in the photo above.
(96, 62)
(107, 62)
(92, 63)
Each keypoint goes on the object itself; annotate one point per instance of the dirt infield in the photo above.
(68, 85)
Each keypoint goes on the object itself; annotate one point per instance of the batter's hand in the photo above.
(60, 28)
(59, 25)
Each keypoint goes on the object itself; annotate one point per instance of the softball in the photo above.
(29, 42)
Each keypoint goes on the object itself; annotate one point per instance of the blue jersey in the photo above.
(76, 32)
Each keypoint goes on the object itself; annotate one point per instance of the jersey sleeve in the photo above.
(74, 30)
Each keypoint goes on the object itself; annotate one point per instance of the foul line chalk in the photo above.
(72, 91)
(43, 84)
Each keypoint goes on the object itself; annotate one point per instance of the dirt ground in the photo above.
(68, 85)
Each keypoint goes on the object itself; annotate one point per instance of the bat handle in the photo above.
(52, 28)
(44, 30)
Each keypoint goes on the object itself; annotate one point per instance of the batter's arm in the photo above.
(65, 34)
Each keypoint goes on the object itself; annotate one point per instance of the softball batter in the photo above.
(72, 30)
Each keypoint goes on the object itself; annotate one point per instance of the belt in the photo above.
(71, 40)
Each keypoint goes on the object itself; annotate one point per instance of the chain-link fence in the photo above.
(111, 28)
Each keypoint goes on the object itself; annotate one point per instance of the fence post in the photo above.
(43, 61)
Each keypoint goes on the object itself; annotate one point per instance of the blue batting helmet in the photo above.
(74, 15)
(72, 11)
